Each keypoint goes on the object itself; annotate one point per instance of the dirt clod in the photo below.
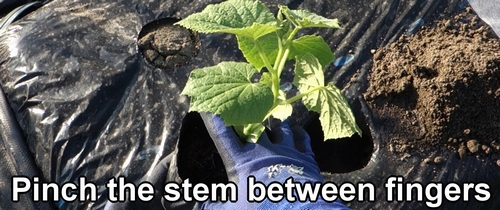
(438, 160)
(473, 146)
(438, 89)
(461, 151)
(486, 149)
(167, 46)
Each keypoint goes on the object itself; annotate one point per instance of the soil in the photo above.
(440, 88)
(166, 45)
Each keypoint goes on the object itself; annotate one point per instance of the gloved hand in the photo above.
(285, 153)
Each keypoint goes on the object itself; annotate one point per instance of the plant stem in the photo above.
(294, 32)
(263, 56)
(253, 132)
(297, 97)
(280, 51)
(293, 99)
(276, 86)
(283, 58)
(280, 63)
(274, 74)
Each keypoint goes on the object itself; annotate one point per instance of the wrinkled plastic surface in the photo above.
(17, 160)
(7, 5)
(488, 11)
(89, 105)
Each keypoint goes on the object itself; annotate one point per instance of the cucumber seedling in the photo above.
(267, 42)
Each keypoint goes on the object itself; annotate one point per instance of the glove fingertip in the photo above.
(217, 120)
(214, 122)
(302, 141)
(285, 125)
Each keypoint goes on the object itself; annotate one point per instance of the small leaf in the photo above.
(314, 45)
(241, 17)
(269, 45)
(226, 89)
(337, 119)
(308, 73)
(306, 19)
(335, 115)
(282, 111)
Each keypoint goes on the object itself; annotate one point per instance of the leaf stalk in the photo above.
(297, 97)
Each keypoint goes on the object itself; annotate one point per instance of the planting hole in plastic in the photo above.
(198, 159)
(165, 45)
(339, 155)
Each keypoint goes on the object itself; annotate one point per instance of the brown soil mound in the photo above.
(167, 46)
(440, 88)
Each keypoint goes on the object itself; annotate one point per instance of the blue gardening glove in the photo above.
(285, 153)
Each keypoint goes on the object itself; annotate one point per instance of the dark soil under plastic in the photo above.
(198, 158)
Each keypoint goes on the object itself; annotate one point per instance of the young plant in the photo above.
(267, 41)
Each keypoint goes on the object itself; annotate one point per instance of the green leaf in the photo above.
(255, 31)
(241, 17)
(306, 19)
(335, 115)
(250, 49)
(284, 110)
(266, 78)
(308, 73)
(269, 44)
(314, 45)
(337, 119)
(226, 89)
